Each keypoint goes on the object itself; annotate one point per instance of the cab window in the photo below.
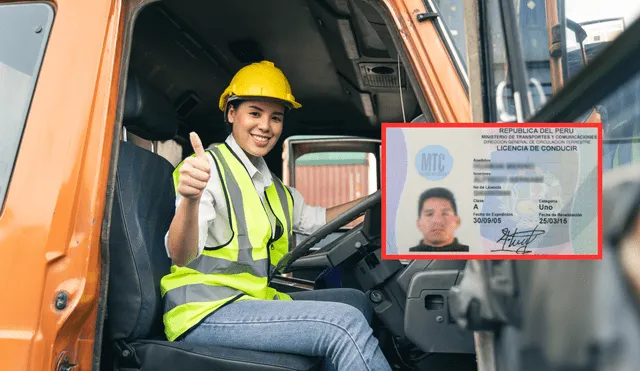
(619, 112)
(531, 23)
(451, 12)
(24, 29)
(333, 178)
(582, 29)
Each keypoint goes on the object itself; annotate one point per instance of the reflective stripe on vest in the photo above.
(239, 268)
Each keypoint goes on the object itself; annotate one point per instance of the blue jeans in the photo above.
(331, 323)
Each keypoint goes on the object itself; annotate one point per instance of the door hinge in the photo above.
(426, 16)
(63, 363)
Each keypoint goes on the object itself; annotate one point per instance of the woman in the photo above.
(234, 221)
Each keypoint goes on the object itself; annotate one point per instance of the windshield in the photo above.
(551, 43)
(619, 112)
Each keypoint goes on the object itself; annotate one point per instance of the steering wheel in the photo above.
(313, 239)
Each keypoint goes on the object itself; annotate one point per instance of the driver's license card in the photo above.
(491, 191)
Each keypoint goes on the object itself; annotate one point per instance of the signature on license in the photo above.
(518, 240)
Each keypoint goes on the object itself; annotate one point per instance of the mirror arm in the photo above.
(554, 57)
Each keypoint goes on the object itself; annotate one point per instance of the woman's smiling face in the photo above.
(257, 125)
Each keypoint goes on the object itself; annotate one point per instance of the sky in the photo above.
(588, 10)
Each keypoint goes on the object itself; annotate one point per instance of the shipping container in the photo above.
(329, 179)
(330, 185)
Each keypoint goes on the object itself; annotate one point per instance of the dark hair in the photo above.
(437, 193)
(233, 103)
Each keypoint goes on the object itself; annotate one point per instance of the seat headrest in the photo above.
(147, 111)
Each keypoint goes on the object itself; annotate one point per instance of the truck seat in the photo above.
(143, 207)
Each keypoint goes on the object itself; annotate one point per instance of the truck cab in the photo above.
(98, 99)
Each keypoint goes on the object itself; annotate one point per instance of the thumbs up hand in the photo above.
(194, 172)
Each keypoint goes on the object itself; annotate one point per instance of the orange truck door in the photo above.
(59, 68)
(438, 70)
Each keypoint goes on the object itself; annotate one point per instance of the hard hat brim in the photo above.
(286, 103)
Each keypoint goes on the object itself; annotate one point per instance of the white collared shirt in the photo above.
(213, 224)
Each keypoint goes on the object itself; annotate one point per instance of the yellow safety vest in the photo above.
(239, 269)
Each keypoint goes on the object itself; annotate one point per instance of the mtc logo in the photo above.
(434, 162)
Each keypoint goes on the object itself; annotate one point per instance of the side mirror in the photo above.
(580, 35)
(578, 30)
(563, 47)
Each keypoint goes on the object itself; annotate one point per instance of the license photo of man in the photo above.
(438, 221)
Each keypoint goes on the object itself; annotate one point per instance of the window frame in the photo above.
(322, 143)
(445, 35)
(45, 30)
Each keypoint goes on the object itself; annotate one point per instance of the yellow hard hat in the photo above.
(259, 80)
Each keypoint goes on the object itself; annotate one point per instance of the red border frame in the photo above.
(597, 256)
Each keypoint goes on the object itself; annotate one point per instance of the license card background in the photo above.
(571, 176)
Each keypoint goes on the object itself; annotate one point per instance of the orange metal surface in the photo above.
(51, 222)
(551, 7)
(432, 64)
